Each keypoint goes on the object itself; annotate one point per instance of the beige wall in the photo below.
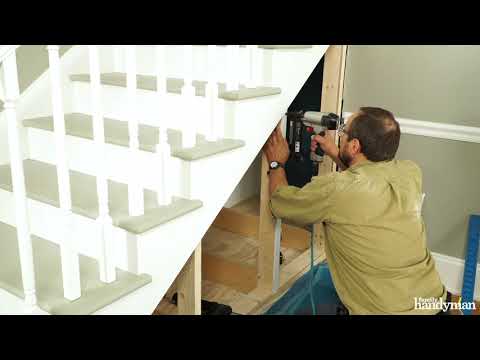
(436, 84)
(451, 181)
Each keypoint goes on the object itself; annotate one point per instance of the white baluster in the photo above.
(2, 93)
(69, 258)
(163, 150)
(258, 63)
(135, 191)
(212, 93)
(189, 127)
(233, 67)
(104, 220)
(11, 93)
(251, 53)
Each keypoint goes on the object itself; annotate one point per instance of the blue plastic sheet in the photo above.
(297, 300)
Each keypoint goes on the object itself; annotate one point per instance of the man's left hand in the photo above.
(276, 147)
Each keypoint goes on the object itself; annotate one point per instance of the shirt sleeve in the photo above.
(310, 204)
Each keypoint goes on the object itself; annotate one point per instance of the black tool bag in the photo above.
(209, 307)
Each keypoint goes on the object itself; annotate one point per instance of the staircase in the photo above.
(116, 160)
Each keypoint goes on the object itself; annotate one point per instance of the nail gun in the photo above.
(301, 128)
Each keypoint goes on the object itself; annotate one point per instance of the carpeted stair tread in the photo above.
(48, 276)
(174, 85)
(116, 133)
(42, 185)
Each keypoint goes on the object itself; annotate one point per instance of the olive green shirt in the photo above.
(375, 235)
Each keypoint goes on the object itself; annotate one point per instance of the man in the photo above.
(375, 236)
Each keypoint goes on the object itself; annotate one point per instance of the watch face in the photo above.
(273, 164)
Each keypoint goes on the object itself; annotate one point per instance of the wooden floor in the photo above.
(251, 303)
(232, 247)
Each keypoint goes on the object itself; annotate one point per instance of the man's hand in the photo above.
(329, 147)
(326, 143)
(276, 147)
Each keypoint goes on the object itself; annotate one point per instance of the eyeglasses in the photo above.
(341, 130)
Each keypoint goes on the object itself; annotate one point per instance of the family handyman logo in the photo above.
(439, 304)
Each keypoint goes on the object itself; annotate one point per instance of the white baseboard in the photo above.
(451, 273)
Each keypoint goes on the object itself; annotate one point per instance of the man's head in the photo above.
(370, 133)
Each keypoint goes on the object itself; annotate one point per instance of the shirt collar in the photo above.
(360, 164)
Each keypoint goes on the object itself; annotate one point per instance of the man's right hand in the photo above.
(326, 143)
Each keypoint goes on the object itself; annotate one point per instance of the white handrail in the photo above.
(10, 80)
(135, 191)
(69, 258)
(162, 149)
(104, 220)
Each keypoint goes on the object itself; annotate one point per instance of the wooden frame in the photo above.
(332, 98)
(189, 285)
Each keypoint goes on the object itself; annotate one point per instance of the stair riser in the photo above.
(174, 115)
(84, 158)
(45, 222)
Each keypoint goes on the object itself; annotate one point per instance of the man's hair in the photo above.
(378, 133)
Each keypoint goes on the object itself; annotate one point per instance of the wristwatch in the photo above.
(275, 165)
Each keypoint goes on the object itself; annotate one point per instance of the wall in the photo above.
(437, 84)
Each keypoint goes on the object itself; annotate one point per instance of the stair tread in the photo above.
(238, 248)
(207, 148)
(230, 246)
(249, 206)
(116, 133)
(174, 85)
(41, 185)
(48, 276)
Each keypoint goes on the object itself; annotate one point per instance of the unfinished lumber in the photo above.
(189, 285)
(243, 219)
(230, 259)
(332, 100)
(266, 232)
(332, 93)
